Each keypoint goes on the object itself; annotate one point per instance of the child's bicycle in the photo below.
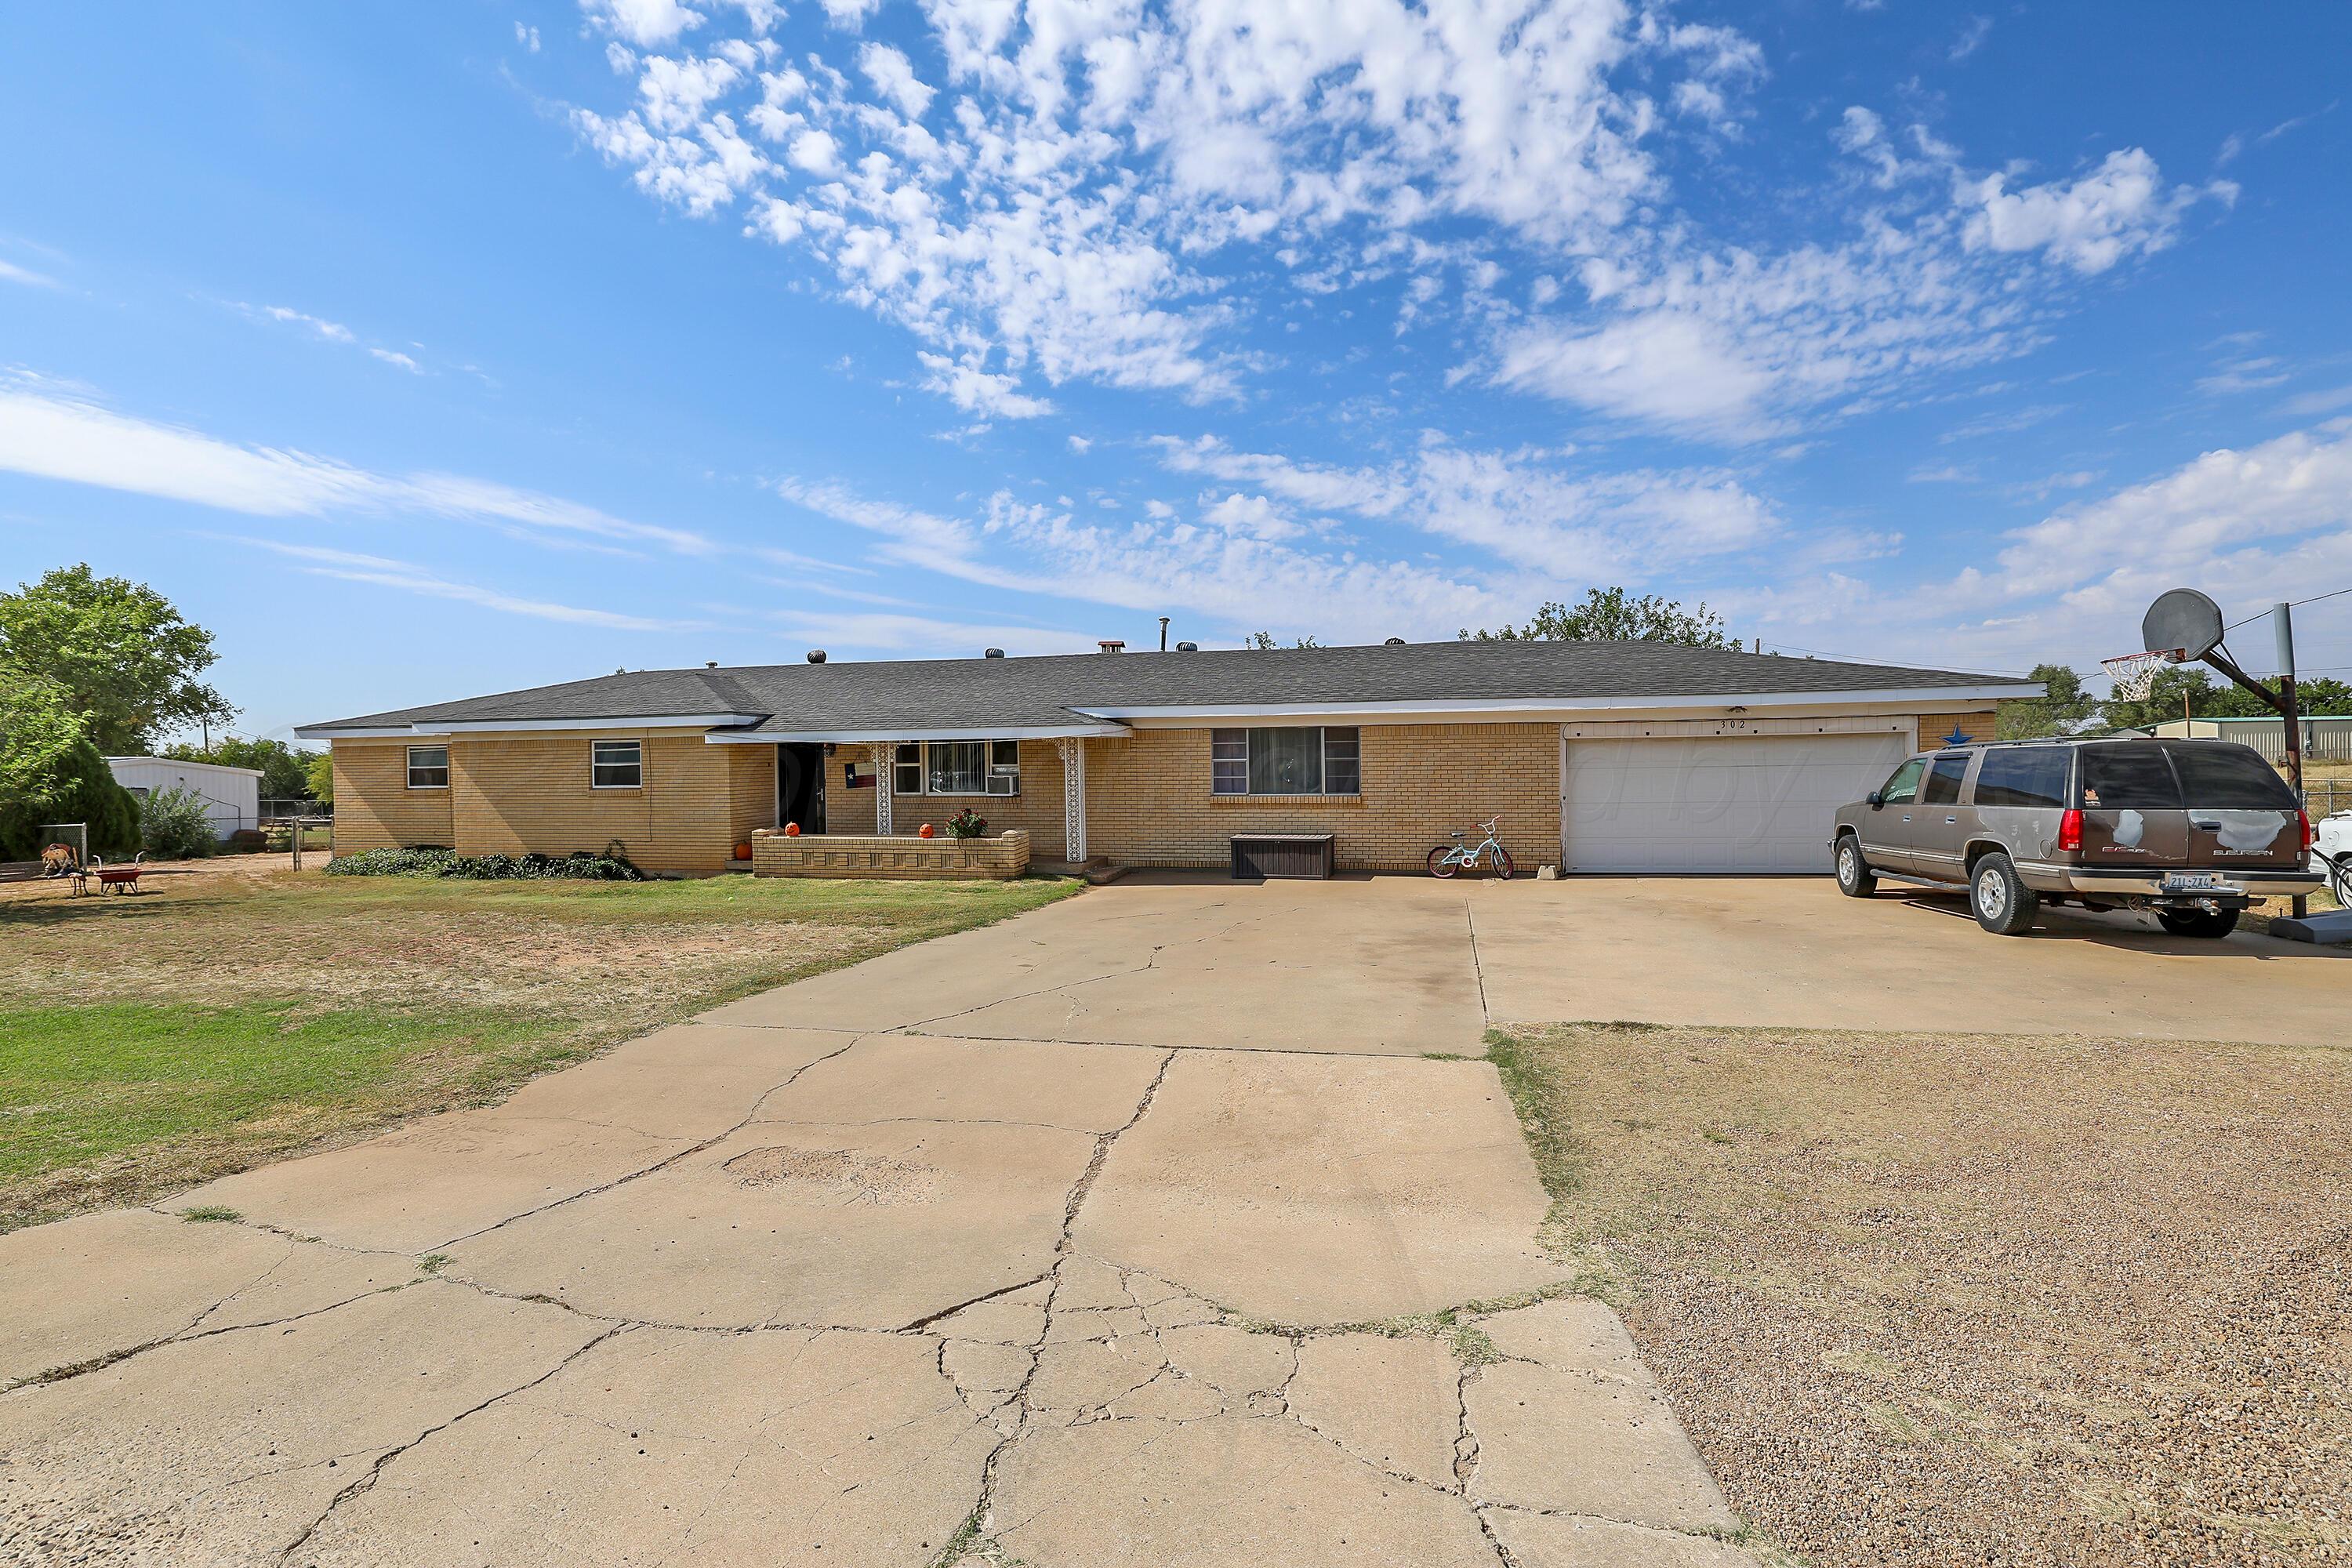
(1445, 861)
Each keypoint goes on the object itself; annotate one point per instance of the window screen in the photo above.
(615, 765)
(906, 772)
(1229, 762)
(2129, 778)
(2024, 775)
(2220, 776)
(1942, 786)
(1343, 770)
(428, 767)
(1903, 784)
(959, 767)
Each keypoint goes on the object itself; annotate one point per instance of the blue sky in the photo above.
(420, 354)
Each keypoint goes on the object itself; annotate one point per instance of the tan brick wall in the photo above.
(513, 795)
(896, 859)
(374, 807)
(1148, 799)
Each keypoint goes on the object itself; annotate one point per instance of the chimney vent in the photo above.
(1188, 647)
(991, 653)
(1112, 645)
(1393, 642)
(816, 656)
(710, 664)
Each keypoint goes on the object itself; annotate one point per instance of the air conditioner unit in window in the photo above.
(1004, 783)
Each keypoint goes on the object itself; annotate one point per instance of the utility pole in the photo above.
(2283, 617)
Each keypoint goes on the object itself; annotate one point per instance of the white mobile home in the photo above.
(232, 796)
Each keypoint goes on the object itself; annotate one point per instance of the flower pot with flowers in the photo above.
(967, 824)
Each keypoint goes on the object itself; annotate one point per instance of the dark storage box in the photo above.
(1257, 855)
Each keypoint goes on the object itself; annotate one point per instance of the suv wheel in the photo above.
(2198, 923)
(1854, 876)
(2003, 904)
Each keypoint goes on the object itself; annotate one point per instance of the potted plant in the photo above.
(967, 824)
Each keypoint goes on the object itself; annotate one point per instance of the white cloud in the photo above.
(395, 357)
(2090, 224)
(1079, 444)
(527, 36)
(1973, 33)
(849, 14)
(80, 442)
(12, 273)
(979, 391)
(648, 24)
(333, 331)
(894, 78)
(350, 567)
(926, 633)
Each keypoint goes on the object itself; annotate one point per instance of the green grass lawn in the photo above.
(231, 1017)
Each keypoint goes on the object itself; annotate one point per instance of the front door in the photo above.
(800, 785)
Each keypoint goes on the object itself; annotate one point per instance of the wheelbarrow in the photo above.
(118, 878)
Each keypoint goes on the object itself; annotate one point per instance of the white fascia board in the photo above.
(503, 726)
(1471, 709)
(403, 732)
(863, 737)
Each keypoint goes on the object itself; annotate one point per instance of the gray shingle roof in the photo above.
(883, 698)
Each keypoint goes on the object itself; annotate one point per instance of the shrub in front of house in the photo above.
(583, 866)
(172, 825)
(967, 824)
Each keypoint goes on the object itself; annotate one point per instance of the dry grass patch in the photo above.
(242, 1011)
(1932, 1299)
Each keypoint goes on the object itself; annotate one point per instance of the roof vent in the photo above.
(816, 656)
(710, 664)
(1112, 645)
(991, 653)
(1393, 642)
(1188, 647)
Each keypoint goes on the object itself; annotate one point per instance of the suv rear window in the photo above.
(1942, 786)
(2024, 775)
(2219, 776)
(2131, 777)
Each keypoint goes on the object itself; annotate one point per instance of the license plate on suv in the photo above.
(2195, 882)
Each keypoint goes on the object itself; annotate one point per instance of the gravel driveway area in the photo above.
(1935, 1299)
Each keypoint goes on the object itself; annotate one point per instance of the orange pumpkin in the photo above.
(742, 851)
(791, 830)
(924, 831)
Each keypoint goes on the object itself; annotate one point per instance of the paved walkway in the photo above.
(1113, 1235)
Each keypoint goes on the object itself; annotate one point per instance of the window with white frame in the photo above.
(1287, 760)
(428, 767)
(617, 764)
(957, 767)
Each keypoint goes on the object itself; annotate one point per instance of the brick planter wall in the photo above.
(897, 858)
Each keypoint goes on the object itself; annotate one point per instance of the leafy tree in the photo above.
(2206, 697)
(285, 770)
(127, 660)
(2067, 709)
(1264, 640)
(1609, 615)
(320, 772)
(49, 772)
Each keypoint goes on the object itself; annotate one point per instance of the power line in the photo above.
(2292, 604)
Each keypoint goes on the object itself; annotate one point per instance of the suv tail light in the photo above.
(2309, 838)
(2070, 833)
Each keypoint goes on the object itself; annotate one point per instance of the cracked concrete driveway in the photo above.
(1138, 1230)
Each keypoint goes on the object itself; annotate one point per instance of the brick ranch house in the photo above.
(1598, 756)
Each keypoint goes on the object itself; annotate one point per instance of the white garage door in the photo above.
(1708, 803)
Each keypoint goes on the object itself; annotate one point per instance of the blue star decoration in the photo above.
(1958, 737)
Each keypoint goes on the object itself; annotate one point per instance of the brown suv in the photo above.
(2193, 830)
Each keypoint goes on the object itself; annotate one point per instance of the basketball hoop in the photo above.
(2134, 673)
